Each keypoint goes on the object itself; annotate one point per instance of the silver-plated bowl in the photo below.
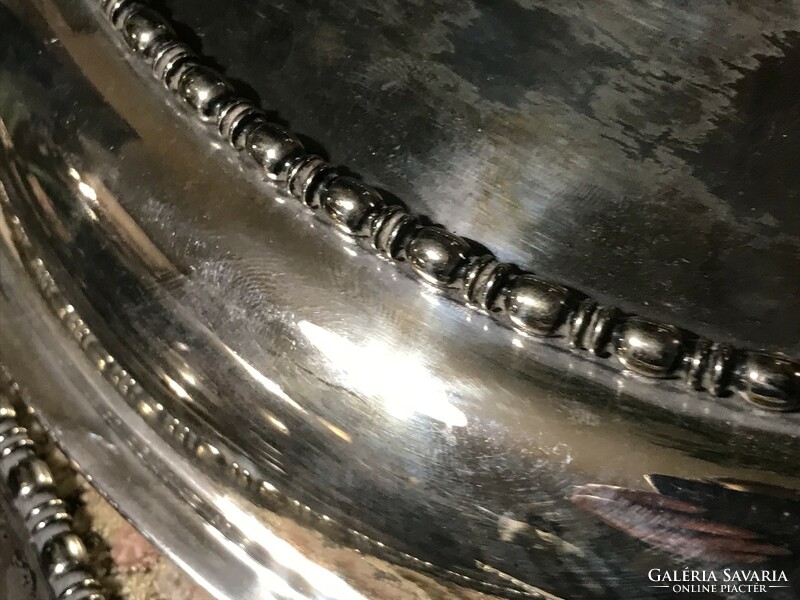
(299, 387)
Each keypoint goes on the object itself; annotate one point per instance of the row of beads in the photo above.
(440, 258)
(47, 520)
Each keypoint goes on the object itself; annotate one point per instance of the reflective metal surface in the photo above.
(639, 150)
(59, 549)
(239, 377)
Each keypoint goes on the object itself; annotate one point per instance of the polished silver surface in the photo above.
(437, 256)
(641, 151)
(239, 375)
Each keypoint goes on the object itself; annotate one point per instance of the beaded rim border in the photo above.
(47, 520)
(440, 258)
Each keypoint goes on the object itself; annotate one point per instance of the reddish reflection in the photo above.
(717, 521)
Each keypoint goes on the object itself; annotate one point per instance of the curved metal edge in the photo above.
(187, 437)
(76, 405)
(124, 455)
(784, 423)
(439, 258)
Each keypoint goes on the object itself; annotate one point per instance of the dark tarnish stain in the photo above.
(751, 158)
(510, 50)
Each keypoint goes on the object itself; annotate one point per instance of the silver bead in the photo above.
(483, 280)
(720, 368)
(769, 381)
(7, 411)
(13, 439)
(648, 348)
(349, 203)
(534, 305)
(590, 326)
(63, 553)
(437, 255)
(170, 58)
(240, 475)
(8, 424)
(234, 117)
(30, 476)
(696, 363)
(86, 589)
(209, 455)
(116, 9)
(579, 322)
(389, 228)
(51, 512)
(304, 178)
(600, 328)
(142, 27)
(204, 90)
(273, 148)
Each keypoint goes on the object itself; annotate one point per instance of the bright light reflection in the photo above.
(430, 298)
(336, 431)
(282, 554)
(189, 378)
(176, 387)
(398, 378)
(278, 424)
(266, 382)
(87, 191)
(270, 584)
